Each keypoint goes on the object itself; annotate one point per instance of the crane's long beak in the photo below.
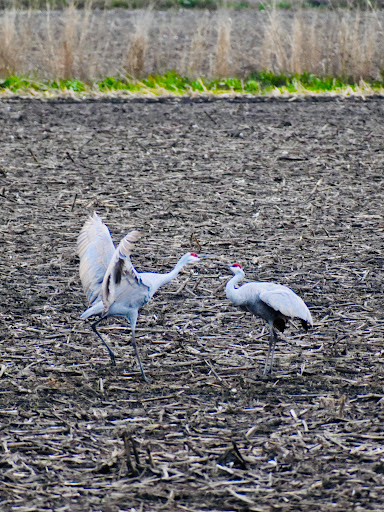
(208, 256)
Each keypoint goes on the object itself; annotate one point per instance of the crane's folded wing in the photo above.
(95, 249)
(287, 302)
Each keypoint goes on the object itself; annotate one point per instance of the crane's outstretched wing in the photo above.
(95, 249)
(121, 275)
(283, 299)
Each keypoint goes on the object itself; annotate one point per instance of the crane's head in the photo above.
(189, 257)
(236, 268)
(192, 257)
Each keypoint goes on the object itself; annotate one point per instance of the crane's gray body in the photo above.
(274, 303)
(132, 294)
(270, 301)
(111, 283)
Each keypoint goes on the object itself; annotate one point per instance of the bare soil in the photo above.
(292, 190)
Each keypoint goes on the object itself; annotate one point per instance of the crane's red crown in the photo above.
(194, 255)
(236, 265)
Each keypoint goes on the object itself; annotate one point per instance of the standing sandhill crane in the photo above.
(111, 283)
(272, 302)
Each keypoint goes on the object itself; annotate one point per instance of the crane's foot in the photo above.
(145, 378)
(112, 356)
(133, 342)
(267, 371)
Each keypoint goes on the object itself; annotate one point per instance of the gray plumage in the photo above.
(110, 281)
(272, 302)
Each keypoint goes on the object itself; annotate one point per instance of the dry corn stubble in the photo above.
(295, 202)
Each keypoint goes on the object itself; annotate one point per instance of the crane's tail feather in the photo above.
(279, 324)
(306, 325)
(96, 309)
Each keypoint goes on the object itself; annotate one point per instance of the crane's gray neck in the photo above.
(159, 280)
(230, 290)
(175, 271)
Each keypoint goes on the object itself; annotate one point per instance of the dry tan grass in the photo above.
(273, 55)
(88, 44)
(135, 59)
(344, 44)
(223, 65)
(62, 45)
(198, 49)
(13, 39)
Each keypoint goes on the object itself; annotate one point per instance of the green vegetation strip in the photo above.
(171, 83)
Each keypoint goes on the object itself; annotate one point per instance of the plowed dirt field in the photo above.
(293, 191)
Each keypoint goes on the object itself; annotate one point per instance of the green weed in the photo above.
(14, 83)
(115, 84)
(74, 85)
(175, 84)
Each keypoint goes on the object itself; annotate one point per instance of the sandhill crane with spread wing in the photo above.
(111, 283)
(272, 302)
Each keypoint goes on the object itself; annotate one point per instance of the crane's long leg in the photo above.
(147, 380)
(132, 320)
(271, 350)
(111, 354)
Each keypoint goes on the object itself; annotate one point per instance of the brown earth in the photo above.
(293, 190)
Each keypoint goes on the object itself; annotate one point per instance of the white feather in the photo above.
(95, 249)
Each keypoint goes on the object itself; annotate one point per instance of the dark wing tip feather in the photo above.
(119, 271)
(119, 268)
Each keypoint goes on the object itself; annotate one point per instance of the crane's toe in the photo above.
(146, 379)
(267, 371)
